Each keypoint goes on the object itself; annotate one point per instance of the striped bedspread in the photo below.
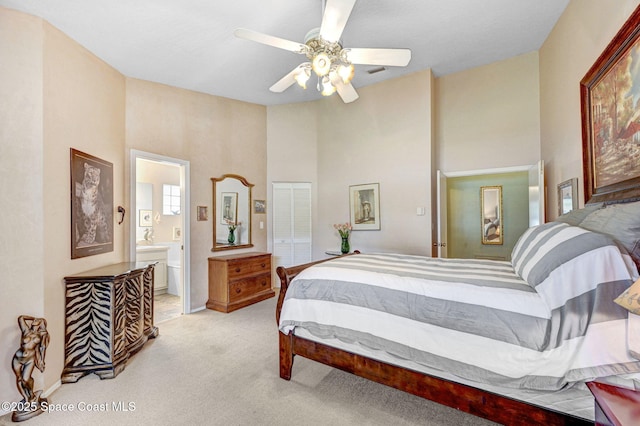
(480, 319)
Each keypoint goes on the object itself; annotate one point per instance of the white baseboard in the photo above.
(52, 389)
(201, 308)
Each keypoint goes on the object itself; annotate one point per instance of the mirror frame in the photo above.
(249, 186)
(495, 204)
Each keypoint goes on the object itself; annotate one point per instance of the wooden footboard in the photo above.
(471, 400)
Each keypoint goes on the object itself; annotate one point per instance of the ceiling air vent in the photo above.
(376, 70)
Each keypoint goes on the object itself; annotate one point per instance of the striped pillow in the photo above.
(543, 248)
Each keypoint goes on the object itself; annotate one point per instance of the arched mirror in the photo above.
(231, 212)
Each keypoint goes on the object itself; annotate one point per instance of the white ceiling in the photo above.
(190, 43)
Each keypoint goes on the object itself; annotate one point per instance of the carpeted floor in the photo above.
(210, 368)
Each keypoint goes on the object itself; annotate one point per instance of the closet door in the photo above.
(291, 223)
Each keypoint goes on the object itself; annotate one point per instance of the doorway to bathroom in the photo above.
(160, 228)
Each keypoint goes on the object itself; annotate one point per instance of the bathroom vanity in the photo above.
(158, 255)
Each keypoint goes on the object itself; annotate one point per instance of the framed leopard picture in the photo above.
(91, 205)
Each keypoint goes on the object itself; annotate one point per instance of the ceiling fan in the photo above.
(332, 63)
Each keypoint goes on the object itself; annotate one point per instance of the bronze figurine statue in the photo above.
(33, 346)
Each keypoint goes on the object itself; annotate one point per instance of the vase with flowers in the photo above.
(344, 229)
(231, 239)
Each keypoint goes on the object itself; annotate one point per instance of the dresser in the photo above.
(236, 281)
(108, 317)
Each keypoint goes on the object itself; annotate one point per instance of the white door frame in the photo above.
(185, 208)
(441, 214)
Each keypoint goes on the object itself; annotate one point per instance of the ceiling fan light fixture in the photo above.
(328, 89)
(302, 77)
(321, 64)
(346, 72)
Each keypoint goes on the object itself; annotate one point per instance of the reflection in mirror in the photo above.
(491, 214)
(231, 212)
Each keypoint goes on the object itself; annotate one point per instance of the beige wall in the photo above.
(580, 36)
(217, 136)
(83, 109)
(384, 137)
(61, 96)
(292, 152)
(21, 185)
(489, 117)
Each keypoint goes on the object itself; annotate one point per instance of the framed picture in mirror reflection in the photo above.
(229, 208)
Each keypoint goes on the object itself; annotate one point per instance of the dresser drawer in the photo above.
(248, 287)
(242, 267)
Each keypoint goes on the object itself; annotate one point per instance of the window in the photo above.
(170, 199)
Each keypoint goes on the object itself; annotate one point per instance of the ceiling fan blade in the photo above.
(269, 40)
(346, 91)
(287, 81)
(335, 16)
(392, 57)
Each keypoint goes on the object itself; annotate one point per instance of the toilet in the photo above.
(173, 269)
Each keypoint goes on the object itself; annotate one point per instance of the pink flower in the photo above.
(343, 228)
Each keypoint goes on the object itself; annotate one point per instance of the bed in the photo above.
(511, 341)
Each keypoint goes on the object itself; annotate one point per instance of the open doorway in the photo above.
(159, 229)
(458, 206)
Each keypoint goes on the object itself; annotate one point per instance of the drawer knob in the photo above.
(238, 290)
(264, 283)
(264, 264)
(237, 269)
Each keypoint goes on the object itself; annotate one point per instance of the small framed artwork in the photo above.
(202, 213)
(228, 207)
(567, 196)
(259, 206)
(91, 205)
(177, 233)
(364, 207)
(144, 218)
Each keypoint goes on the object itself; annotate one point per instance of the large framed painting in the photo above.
(91, 205)
(364, 207)
(610, 103)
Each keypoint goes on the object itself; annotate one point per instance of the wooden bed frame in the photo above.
(471, 400)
